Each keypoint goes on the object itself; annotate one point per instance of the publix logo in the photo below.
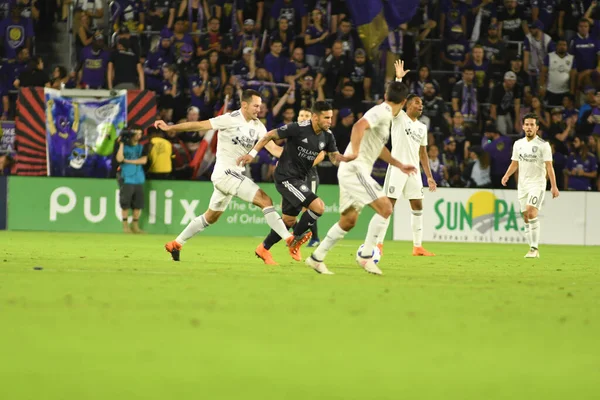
(483, 213)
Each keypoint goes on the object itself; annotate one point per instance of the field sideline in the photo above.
(111, 317)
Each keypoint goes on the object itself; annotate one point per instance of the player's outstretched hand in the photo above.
(504, 180)
(432, 185)
(342, 158)
(245, 159)
(400, 72)
(554, 192)
(162, 125)
(407, 169)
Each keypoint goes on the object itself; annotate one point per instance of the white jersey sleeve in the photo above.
(377, 117)
(424, 140)
(225, 121)
(515, 152)
(547, 152)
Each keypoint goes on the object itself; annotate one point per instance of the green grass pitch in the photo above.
(111, 317)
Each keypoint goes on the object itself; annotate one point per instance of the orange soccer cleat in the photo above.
(174, 248)
(380, 247)
(294, 244)
(264, 255)
(420, 251)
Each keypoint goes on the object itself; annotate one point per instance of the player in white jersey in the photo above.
(238, 132)
(409, 146)
(532, 156)
(357, 188)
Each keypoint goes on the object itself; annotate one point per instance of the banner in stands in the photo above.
(3, 198)
(81, 133)
(493, 216)
(7, 138)
(92, 205)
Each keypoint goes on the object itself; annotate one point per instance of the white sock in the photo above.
(334, 235)
(416, 221)
(381, 238)
(377, 228)
(534, 228)
(527, 234)
(197, 225)
(275, 222)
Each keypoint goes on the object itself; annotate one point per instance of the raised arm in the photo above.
(184, 127)
(276, 151)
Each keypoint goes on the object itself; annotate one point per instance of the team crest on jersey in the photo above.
(304, 188)
(534, 149)
(321, 145)
(252, 133)
(392, 189)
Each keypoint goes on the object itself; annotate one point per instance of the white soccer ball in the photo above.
(376, 253)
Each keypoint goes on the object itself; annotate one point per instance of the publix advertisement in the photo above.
(492, 216)
(92, 205)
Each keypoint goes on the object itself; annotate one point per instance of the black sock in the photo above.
(307, 220)
(271, 239)
(125, 219)
(314, 230)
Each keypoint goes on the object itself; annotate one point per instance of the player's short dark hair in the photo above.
(396, 92)
(411, 97)
(305, 109)
(532, 116)
(320, 107)
(248, 94)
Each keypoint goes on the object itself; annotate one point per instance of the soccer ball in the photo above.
(376, 253)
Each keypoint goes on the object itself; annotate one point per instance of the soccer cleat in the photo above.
(314, 242)
(318, 266)
(420, 251)
(532, 253)
(294, 244)
(380, 247)
(264, 255)
(368, 265)
(174, 248)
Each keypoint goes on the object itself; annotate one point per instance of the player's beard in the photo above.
(530, 135)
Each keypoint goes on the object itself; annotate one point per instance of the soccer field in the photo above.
(111, 317)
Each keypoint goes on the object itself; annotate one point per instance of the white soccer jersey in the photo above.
(532, 156)
(407, 138)
(375, 138)
(236, 138)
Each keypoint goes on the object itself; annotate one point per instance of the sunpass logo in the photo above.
(482, 217)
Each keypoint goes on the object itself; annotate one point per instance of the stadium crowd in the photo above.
(479, 65)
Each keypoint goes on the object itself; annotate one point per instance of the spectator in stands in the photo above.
(438, 170)
(489, 16)
(129, 13)
(85, 34)
(186, 67)
(462, 133)
(512, 22)
(264, 86)
(455, 55)
(506, 104)
(229, 100)
(191, 139)
(157, 58)
(130, 72)
(499, 148)
(306, 97)
(314, 39)
(516, 66)
(452, 161)
(287, 112)
(538, 108)
(266, 117)
(94, 9)
(482, 77)
(14, 69)
(347, 99)
(594, 118)
(6, 163)
(275, 63)
(561, 131)
(59, 78)
(347, 35)
(94, 64)
(246, 38)
(160, 155)
(252, 9)
(424, 77)
(292, 10)
(15, 32)
(214, 40)
(477, 170)
(160, 14)
(226, 12)
(169, 91)
(569, 109)
(216, 71)
(436, 110)
(464, 97)
(335, 67)
(181, 37)
(582, 167)
(495, 49)
(296, 68)
(245, 68)
(200, 92)
(585, 49)
(586, 109)
(343, 130)
(537, 46)
(33, 75)
(559, 75)
(194, 11)
(361, 75)
(286, 36)
(134, 42)
(545, 11)
(569, 14)
(453, 12)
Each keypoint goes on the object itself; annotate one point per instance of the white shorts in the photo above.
(398, 183)
(357, 188)
(533, 196)
(231, 183)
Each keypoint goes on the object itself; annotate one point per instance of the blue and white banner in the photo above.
(81, 133)
(7, 138)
